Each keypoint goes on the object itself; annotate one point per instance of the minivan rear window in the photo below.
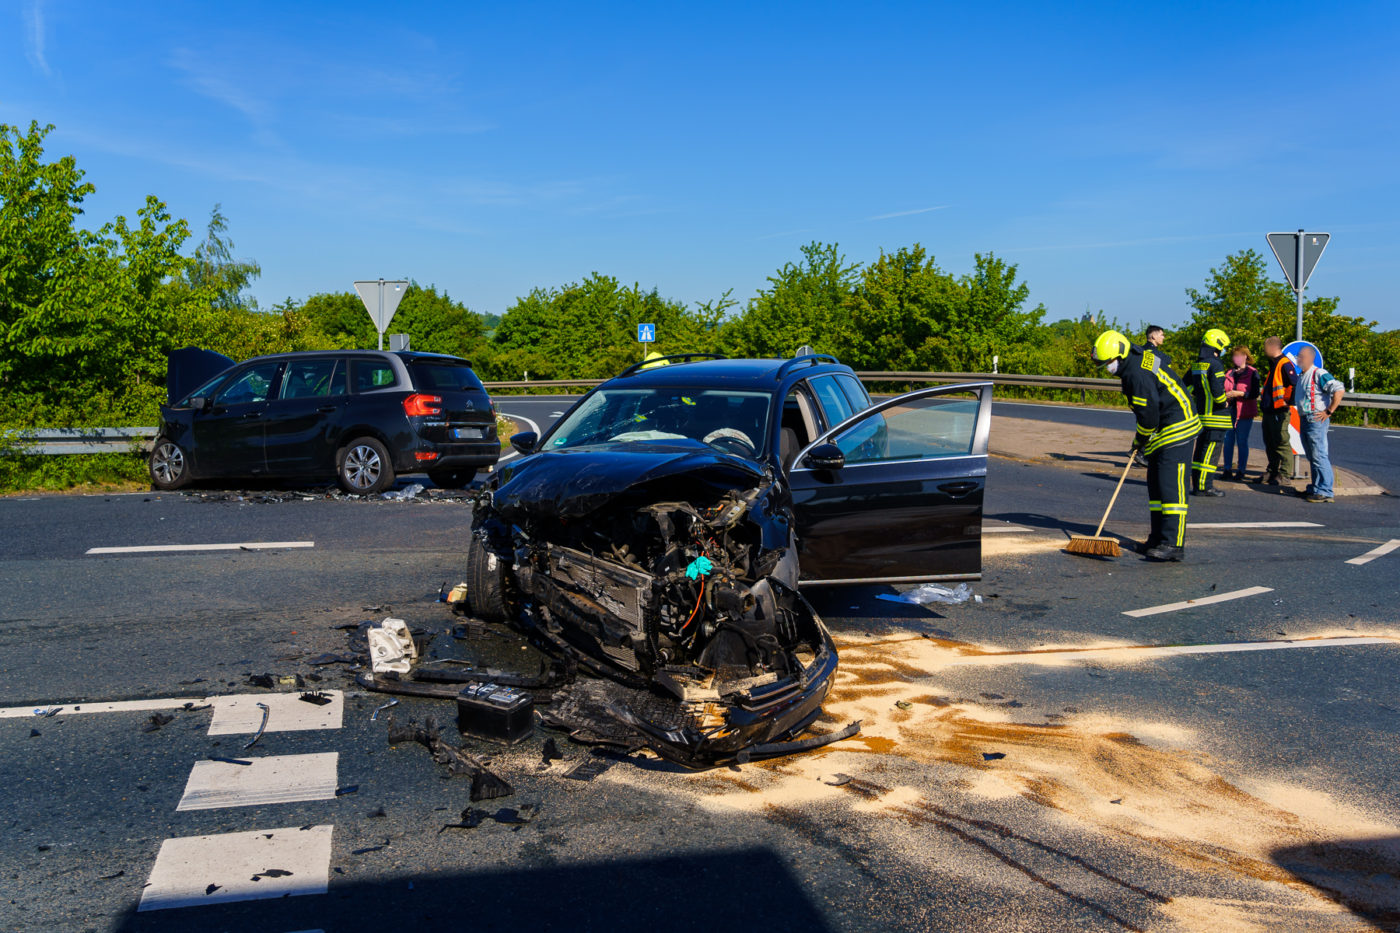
(448, 377)
(373, 374)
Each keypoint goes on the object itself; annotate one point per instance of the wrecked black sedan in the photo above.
(661, 531)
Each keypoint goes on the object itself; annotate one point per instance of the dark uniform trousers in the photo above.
(1166, 493)
(1277, 445)
(1207, 450)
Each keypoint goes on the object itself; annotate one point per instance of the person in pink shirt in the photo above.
(1242, 390)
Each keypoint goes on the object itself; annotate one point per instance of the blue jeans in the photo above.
(1314, 435)
(1239, 434)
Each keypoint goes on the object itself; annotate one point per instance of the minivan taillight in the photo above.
(420, 404)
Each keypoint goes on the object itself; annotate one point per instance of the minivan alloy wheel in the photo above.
(363, 466)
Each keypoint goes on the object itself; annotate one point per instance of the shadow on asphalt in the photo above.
(1363, 875)
(741, 889)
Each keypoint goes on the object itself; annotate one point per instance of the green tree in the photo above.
(215, 268)
(804, 304)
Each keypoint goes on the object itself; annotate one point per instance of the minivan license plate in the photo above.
(467, 433)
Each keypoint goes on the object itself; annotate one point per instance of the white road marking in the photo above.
(1195, 525)
(168, 548)
(1008, 529)
(287, 712)
(270, 779)
(1372, 554)
(247, 866)
(533, 427)
(121, 706)
(1203, 601)
(1133, 653)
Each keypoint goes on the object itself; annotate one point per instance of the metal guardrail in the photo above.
(115, 440)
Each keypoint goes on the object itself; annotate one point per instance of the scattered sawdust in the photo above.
(1137, 783)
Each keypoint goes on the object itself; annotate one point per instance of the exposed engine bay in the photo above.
(680, 580)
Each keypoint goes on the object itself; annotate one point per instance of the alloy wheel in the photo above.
(168, 464)
(362, 466)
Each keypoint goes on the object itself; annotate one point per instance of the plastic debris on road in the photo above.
(931, 593)
(410, 491)
(391, 647)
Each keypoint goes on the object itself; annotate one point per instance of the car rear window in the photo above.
(448, 377)
(370, 375)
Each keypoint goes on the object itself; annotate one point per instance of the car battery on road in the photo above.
(500, 714)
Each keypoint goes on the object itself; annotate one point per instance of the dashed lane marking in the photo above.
(1375, 552)
(1203, 601)
(287, 712)
(175, 548)
(235, 714)
(120, 706)
(270, 863)
(1195, 525)
(1009, 529)
(270, 779)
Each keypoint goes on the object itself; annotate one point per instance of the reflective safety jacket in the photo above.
(1283, 377)
(1163, 410)
(1208, 390)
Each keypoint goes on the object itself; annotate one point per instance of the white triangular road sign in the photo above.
(370, 295)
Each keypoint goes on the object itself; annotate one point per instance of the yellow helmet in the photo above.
(1216, 338)
(1111, 345)
(652, 359)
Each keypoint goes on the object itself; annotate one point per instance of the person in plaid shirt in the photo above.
(1317, 396)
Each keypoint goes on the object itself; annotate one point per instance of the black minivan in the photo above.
(363, 415)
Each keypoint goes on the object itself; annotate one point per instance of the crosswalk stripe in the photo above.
(239, 714)
(215, 869)
(262, 780)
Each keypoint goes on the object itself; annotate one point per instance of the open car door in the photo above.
(905, 503)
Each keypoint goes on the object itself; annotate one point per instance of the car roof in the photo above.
(765, 375)
(406, 355)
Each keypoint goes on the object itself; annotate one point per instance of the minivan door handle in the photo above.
(326, 409)
(253, 414)
(959, 488)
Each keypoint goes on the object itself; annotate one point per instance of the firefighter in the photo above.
(1208, 393)
(1167, 426)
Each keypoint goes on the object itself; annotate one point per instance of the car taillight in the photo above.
(420, 404)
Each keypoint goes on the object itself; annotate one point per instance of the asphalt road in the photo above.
(1039, 760)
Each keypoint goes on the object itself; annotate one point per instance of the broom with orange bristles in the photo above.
(1099, 546)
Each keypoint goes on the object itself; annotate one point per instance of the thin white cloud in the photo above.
(917, 210)
(209, 83)
(35, 36)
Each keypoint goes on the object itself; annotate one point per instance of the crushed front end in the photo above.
(679, 581)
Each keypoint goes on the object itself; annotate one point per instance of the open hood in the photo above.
(188, 368)
(575, 482)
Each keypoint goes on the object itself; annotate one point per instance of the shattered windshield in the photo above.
(727, 420)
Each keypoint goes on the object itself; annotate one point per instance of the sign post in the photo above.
(1302, 251)
(381, 299)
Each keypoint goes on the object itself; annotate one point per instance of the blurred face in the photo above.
(1239, 359)
(1273, 348)
(1306, 357)
(1155, 338)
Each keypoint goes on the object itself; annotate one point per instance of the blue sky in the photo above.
(1115, 151)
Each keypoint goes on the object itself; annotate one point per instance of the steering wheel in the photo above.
(733, 440)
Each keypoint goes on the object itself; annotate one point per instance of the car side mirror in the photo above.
(199, 403)
(824, 457)
(524, 442)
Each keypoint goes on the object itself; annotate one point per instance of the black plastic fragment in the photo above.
(156, 721)
(993, 756)
(315, 697)
(347, 790)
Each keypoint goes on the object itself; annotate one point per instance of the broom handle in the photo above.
(1103, 521)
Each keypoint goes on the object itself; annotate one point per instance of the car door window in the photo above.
(834, 403)
(371, 375)
(918, 429)
(854, 391)
(252, 385)
(309, 379)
